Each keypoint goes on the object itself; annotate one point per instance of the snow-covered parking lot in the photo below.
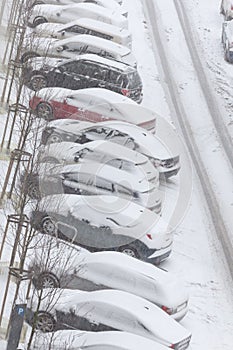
(186, 81)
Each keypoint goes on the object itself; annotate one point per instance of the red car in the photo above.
(92, 105)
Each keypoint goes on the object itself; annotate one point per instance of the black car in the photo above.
(86, 71)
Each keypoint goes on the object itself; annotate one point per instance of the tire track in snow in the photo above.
(213, 106)
(181, 116)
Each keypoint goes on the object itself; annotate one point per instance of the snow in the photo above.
(75, 339)
(97, 306)
(197, 254)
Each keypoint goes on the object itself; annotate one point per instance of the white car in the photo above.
(103, 152)
(67, 13)
(126, 134)
(106, 310)
(227, 9)
(102, 270)
(100, 223)
(108, 4)
(85, 26)
(111, 340)
(77, 45)
(227, 40)
(91, 104)
(92, 178)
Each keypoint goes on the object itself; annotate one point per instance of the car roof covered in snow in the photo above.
(96, 25)
(83, 340)
(87, 39)
(41, 61)
(155, 320)
(106, 95)
(102, 171)
(99, 10)
(114, 150)
(100, 204)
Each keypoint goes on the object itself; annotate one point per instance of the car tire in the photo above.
(45, 322)
(130, 251)
(49, 226)
(27, 55)
(33, 191)
(44, 110)
(54, 138)
(37, 82)
(46, 280)
(39, 20)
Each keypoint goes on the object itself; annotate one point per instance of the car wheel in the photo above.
(39, 20)
(46, 280)
(130, 251)
(26, 56)
(49, 226)
(38, 82)
(45, 322)
(33, 191)
(44, 110)
(54, 138)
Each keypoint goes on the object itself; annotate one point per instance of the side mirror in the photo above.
(63, 33)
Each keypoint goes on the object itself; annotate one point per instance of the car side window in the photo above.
(103, 184)
(76, 29)
(73, 67)
(116, 77)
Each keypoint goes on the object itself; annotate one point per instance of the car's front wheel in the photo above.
(130, 251)
(37, 82)
(44, 110)
(54, 138)
(46, 280)
(45, 322)
(39, 20)
(27, 55)
(49, 226)
(33, 191)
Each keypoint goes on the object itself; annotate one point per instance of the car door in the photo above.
(72, 75)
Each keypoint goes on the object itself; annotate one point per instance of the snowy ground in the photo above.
(197, 255)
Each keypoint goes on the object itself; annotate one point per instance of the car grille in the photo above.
(170, 163)
(183, 344)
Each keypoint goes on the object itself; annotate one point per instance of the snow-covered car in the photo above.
(67, 13)
(111, 340)
(91, 104)
(103, 270)
(92, 178)
(108, 4)
(100, 223)
(107, 310)
(227, 9)
(126, 134)
(77, 45)
(85, 26)
(103, 152)
(227, 40)
(85, 71)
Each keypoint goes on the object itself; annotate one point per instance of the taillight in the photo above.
(149, 236)
(125, 92)
(167, 310)
(172, 346)
(231, 7)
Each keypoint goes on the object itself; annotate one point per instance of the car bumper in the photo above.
(159, 255)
